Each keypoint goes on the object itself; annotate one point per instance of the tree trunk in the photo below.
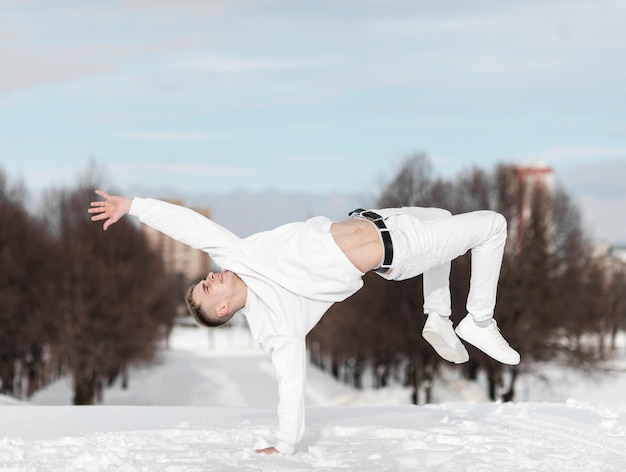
(509, 395)
(85, 387)
(358, 375)
(7, 374)
(334, 368)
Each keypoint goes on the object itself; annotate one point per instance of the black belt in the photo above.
(384, 233)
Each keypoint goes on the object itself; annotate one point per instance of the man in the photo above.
(284, 280)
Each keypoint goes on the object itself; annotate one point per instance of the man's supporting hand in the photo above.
(111, 209)
(268, 450)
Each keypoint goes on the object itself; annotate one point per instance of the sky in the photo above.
(317, 96)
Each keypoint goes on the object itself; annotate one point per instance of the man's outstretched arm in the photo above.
(180, 223)
(111, 209)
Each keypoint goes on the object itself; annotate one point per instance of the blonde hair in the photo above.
(198, 315)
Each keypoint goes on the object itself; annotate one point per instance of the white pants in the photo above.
(426, 240)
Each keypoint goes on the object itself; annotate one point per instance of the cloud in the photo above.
(156, 171)
(603, 178)
(558, 24)
(456, 44)
(560, 154)
(48, 65)
(603, 218)
(170, 136)
(598, 188)
(233, 63)
(532, 44)
(184, 7)
(297, 159)
(51, 44)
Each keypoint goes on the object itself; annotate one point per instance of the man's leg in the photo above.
(484, 233)
(436, 279)
(444, 239)
(438, 330)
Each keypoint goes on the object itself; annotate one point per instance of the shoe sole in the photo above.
(444, 349)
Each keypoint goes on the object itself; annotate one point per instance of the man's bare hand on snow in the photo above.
(268, 450)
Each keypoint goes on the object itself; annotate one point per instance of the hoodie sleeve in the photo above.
(184, 225)
(289, 359)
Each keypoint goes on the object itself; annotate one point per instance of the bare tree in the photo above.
(113, 293)
(411, 185)
(27, 258)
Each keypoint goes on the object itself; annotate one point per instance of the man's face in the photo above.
(214, 290)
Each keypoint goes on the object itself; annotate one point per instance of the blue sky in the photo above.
(316, 96)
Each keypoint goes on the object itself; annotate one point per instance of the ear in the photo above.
(222, 310)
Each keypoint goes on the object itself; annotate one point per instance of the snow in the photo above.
(211, 401)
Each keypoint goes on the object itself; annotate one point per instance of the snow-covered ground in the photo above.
(211, 402)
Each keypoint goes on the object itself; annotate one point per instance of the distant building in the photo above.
(619, 252)
(612, 259)
(532, 178)
(178, 257)
(614, 255)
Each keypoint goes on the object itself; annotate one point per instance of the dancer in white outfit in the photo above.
(284, 280)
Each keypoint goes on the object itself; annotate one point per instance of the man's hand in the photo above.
(268, 450)
(111, 209)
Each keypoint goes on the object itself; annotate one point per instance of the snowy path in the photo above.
(206, 379)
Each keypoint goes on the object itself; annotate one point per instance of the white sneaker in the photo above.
(440, 335)
(488, 339)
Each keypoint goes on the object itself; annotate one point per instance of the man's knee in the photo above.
(497, 221)
(500, 221)
(442, 213)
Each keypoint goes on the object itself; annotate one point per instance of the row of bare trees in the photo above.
(555, 301)
(74, 300)
(77, 301)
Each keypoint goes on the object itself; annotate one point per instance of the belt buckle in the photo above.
(356, 212)
(370, 215)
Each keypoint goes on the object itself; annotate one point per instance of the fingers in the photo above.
(101, 210)
(98, 207)
(103, 216)
(104, 195)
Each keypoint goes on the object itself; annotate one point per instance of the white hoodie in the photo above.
(294, 273)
